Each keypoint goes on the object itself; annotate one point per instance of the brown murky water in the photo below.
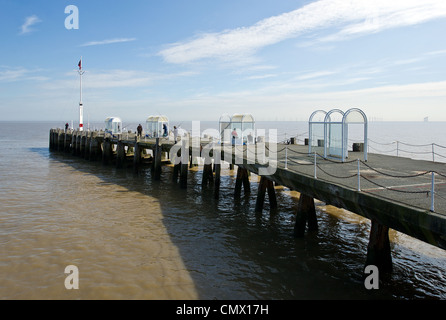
(134, 238)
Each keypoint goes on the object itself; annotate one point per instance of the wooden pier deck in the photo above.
(392, 192)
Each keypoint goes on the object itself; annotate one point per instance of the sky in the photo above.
(198, 59)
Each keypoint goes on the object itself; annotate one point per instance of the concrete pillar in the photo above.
(306, 213)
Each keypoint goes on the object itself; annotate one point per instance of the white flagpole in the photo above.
(81, 107)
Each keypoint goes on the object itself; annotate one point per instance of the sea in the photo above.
(131, 237)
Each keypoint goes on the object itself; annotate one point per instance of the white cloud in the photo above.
(8, 74)
(354, 18)
(109, 41)
(29, 21)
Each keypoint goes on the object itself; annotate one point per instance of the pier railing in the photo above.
(361, 171)
(428, 151)
(400, 148)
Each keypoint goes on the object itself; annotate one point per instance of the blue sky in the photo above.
(198, 59)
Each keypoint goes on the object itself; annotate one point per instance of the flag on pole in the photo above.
(80, 64)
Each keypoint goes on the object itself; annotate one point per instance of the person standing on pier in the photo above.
(234, 136)
(175, 134)
(66, 127)
(139, 129)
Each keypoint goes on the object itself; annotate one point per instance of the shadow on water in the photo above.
(231, 252)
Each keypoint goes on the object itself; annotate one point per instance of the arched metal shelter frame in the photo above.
(224, 124)
(113, 125)
(335, 139)
(333, 134)
(354, 116)
(243, 124)
(155, 126)
(313, 125)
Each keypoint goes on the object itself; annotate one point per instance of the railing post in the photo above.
(433, 153)
(359, 175)
(286, 157)
(433, 192)
(315, 176)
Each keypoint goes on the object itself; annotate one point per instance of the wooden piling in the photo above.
(137, 159)
(306, 214)
(60, 140)
(156, 164)
(184, 163)
(73, 143)
(67, 143)
(176, 172)
(106, 151)
(242, 180)
(208, 175)
(378, 249)
(82, 143)
(95, 147)
(264, 185)
(78, 143)
(217, 169)
(120, 155)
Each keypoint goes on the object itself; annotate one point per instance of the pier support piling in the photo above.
(184, 163)
(156, 164)
(95, 147)
(242, 179)
(306, 214)
(266, 184)
(217, 169)
(378, 249)
(106, 151)
(137, 158)
(120, 156)
(208, 175)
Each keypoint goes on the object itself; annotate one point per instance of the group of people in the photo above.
(165, 131)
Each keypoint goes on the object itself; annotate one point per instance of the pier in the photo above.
(398, 193)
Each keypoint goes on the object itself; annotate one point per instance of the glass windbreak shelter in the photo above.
(157, 126)
(334, 132)
(354, 116)
(316, 130)
(113, 125)
(240, 126)
(225, 125)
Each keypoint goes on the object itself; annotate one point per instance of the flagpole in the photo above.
(81, 106)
